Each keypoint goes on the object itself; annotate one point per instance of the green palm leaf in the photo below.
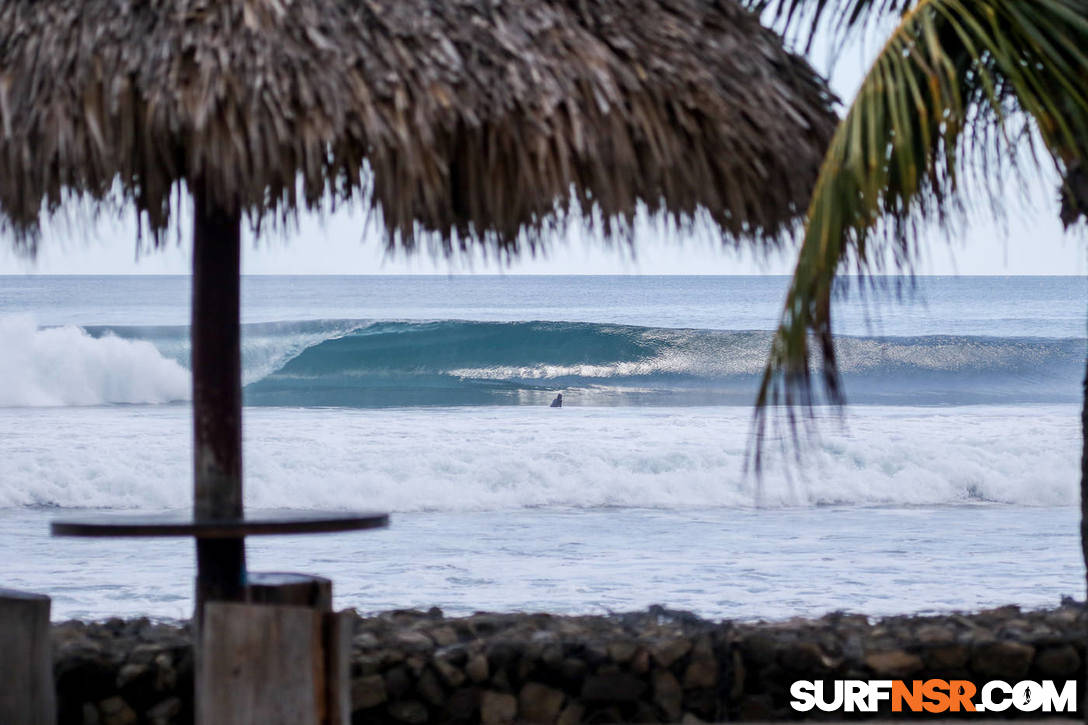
(959, 86)
(841, 16)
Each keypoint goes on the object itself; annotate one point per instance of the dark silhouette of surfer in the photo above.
(558, 402)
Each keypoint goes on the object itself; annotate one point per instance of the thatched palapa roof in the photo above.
(479, 119)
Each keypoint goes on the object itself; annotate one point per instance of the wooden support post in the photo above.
(297, 590)
(280, 659)
(338, 631)
(217, 397)
(27, 695)
(259, 665)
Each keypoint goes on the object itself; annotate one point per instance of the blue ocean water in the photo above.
(427, 396)
(407, 341)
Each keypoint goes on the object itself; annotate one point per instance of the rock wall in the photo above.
(654, 666)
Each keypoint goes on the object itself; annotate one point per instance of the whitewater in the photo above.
(427, 397)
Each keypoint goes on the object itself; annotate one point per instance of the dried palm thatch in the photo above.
(457, 120)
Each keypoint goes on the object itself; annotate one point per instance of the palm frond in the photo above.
(952, 90)
(840, 16)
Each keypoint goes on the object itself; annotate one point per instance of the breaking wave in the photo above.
(487, 459)
(363, 363)
(67, 366)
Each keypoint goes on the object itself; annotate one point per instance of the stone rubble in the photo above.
(652, 666)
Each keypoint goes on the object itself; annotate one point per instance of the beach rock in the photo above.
(701, 672)
(143, 654)
(456, 654)
(944, 659)
(502, 653)
(703, 702)
(595, 653)
(368, 691)
(935, 634)
(89, 712)
(1058, 662)
(895, 664)
(806, 657)
(84, 668)
(131, 673)
(477, 669)
(668, 651)
(497, 708)
(1007, 661)
(462, 705)
(414, 641)
(737, 673)
(573, 668)
(165, 712)
(365, 665)
(668, 695)
(389, 657)
(444, 636)
(526, 666)
(756, 708)
(398, 682)
(761, 648)
(622, 652)
(543, 637)
(416, 664)
(500, 681)
(539, 704)
(166, 675)
(409, 711)
(450, 674)
(115, 711)
(643, 712)
(429, 689)
(573, 714)
(613, 687)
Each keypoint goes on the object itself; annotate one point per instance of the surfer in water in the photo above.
(558, 402)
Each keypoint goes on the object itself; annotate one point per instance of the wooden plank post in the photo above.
(304, 590)
(282, 658)
(27, 695)
(338, 632)
(217, 397)
(259, 665)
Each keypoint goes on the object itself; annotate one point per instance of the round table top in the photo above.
(182, 523)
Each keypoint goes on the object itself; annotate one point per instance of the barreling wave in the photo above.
(364, 363)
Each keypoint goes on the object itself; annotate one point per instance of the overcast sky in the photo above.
(1031, 241)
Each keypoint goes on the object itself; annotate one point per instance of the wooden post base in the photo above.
(27, 695)
(280, 658)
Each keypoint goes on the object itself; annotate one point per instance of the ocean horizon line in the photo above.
(500, 275)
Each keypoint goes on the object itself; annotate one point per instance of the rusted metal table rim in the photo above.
(255, 524)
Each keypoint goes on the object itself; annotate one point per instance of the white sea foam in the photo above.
(61, 366)
(487, 458)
